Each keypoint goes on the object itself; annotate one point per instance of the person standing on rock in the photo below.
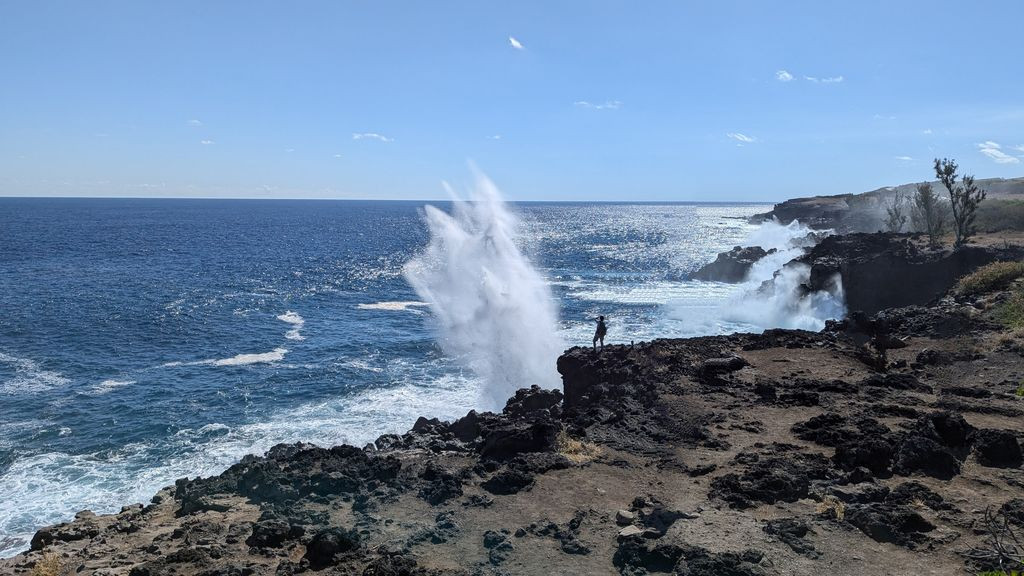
(602, 329)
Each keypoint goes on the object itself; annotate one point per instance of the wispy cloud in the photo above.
(371, 136)
(494, 137)
(783, 76)
(515, 43)
(882, 117)
(740, 137)
(994, 151)
(289, 150)
(607, 105)
(337, 156)
(903, 158)
(828, 80)
(194, 123)
(926, 131)
(1019, 148)
(206, 142)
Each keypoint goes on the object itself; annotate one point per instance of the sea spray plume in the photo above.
(493, 310)
(773, 294)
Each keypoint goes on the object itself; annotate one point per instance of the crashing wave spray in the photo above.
(773, 294)
(493, 309)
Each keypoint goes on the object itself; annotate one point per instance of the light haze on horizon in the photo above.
(659, 101)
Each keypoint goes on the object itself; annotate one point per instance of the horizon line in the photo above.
(3, 197)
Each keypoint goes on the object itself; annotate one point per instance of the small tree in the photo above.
(963, 198)
(895, 212)
(927, 213)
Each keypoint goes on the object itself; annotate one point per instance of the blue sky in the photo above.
(702, 101)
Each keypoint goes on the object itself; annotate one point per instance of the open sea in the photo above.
(143, 340)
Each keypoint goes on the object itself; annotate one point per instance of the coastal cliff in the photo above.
(787, 452)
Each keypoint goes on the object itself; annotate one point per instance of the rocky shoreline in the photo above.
(787, 452)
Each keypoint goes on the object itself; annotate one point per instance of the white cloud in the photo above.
(337, 155)
(739, 137)
(828, 80)
(206, 142)
(607, 105)
(1019, 148)
(515, 43)
(289, 150)
(783, 76)
(926, 131)
(903, 158)
(370, 136)
(494, 137)
(194, 123)
(994, 151)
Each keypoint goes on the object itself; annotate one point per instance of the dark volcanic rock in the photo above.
(327, 544)
(771, 479)
(792, 531)
(731, 266)
(467, 428)
(886, 522)
(440, 485)
(935, 446)
(921, 454)
(533, 399)
(637, 555)
(885, 270)
(866, 443)
(271, 533)
(504, 438)
(997, 448)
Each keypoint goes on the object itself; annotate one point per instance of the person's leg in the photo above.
(595, 341)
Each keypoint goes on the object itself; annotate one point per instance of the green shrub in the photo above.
(999, 215)
(989, 278)
(1011, 312)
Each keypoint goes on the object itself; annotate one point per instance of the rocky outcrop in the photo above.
(731, 266)
(881, 271)
(865, 212)
(843, 213)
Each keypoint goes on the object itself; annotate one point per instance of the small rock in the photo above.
(492, 538)
(629, 532)
(624, 517)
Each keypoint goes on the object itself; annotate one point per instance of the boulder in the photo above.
(997, 448)
(731, 266)
(326, 544)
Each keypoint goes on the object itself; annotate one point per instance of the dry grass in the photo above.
(831, 506)
(578, 451)
(50, 565)
(989, 278)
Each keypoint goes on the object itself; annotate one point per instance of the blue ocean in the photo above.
(143, 340)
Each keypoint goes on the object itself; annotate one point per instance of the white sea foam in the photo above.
(48, 488)
(397, 306)
(297, 323)
(275, 355)
(29, 376)
(493, 309)
(108, 386)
